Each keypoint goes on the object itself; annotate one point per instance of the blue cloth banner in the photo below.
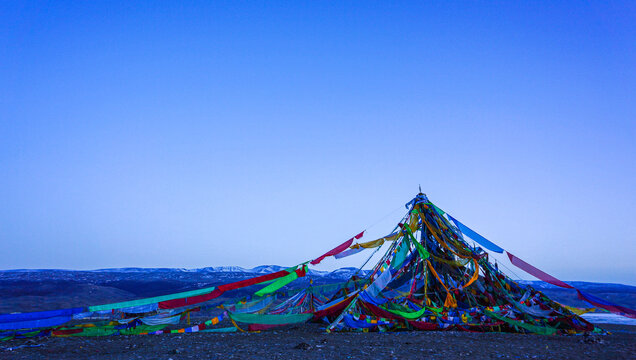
(348, 253)
(607, 305)
(30, 324)
(141, 309)
(473, 235)
(371, 299)
(4, 318)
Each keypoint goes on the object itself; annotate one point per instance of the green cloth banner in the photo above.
(110, 330)
(278, 284)
(151, 300)
(400, 256)
(142, 329)
(408, 315)
(532, 328)
(439, 211)
(414, 314)
(220, 330)
(271, 319)
(423, 253)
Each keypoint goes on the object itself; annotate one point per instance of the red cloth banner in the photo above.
(337, 250)
(536, 272)
(176, 303)
(335, 309)
(253, 281)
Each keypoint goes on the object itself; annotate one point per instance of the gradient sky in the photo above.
(192, 134)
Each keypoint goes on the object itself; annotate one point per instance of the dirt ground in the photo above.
(310, 342)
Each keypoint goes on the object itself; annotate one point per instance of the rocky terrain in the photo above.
(311, 342)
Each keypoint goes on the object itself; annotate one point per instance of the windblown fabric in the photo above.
(362, 324)
(334, 307)
(187, 301)
(366, 297)
(408, 315)
(39, 323)
(141, 309)
(535, 310)
(5, 318)
(151, 300)
(282, 282)
(378, 242)
(400, 255)
(161, 320)
(253, 281)
(579, 311)
(196, 328)
(252, 307)
(379, 283)
(348, 252)
(271, 319)
(192, 300)
(473, 235)
(369, 244)
(532, 328)
(337, 250)
(423, 281)
(614, 308)
(536, 272)
(221, 330)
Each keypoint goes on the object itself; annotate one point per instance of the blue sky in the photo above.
(191, 134)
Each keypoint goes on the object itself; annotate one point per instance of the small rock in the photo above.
(303, 346)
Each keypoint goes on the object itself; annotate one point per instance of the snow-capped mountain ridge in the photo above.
(258, 270)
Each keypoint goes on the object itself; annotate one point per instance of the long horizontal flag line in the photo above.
(171, 301)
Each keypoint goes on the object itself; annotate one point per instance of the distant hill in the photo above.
(617, 293)
(47, 289)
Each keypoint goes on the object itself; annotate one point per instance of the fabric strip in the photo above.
(337, 250)
(536, 272)
(478, 238)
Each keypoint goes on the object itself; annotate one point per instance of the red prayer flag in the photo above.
(536, 272)
(176, 303)
(337, 250)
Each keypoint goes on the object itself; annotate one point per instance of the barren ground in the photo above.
(310, 342)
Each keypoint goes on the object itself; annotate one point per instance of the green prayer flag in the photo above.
(277, 284)
(271, 319)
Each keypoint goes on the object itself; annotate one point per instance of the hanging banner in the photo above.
(348, 253)
(337, 250)
(30, 324)
(4, 318)
(473, 235)
(536, 272)
(271, 319)
(616, 309)
(282, 282)
(161, 320)
(379, 283)
(151, 300)
(176, 303)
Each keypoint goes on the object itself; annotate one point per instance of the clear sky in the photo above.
(192, 134)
